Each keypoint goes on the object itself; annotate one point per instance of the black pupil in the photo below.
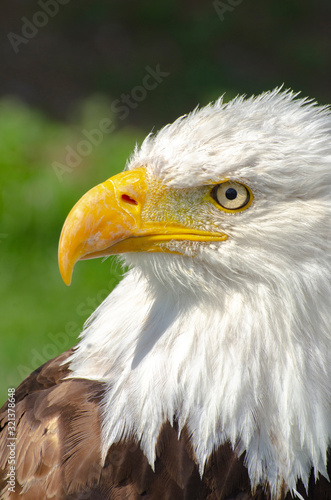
(231, 194)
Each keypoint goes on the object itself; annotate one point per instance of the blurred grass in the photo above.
(40, 316)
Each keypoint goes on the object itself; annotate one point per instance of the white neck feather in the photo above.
(252, 366)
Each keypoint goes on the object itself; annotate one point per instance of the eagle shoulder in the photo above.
(57, 439)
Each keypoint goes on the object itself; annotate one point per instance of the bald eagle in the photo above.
(206, 373)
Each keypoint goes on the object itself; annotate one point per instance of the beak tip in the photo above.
(65, 269)
(66, 256)
(66, 276)
(67, 281)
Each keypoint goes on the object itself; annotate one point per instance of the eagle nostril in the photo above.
(128, 199)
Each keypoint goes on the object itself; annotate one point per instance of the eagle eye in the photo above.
(231, 195)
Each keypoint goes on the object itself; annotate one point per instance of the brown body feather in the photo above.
(58, 452)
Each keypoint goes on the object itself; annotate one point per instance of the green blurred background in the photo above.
(66, 67)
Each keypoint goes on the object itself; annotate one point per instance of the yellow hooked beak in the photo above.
(110, 219)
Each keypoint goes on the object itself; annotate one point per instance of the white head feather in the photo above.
(234, 342)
